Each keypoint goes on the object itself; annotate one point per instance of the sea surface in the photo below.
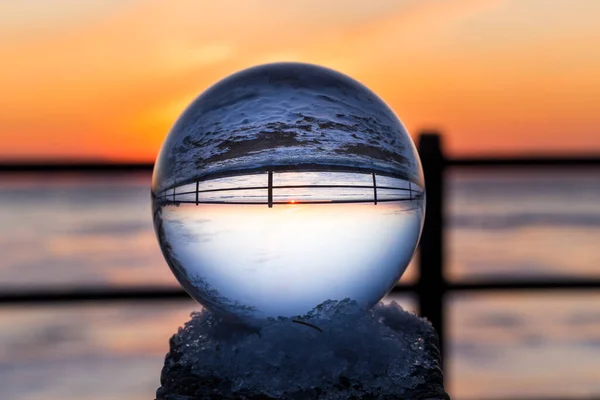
(92, 230)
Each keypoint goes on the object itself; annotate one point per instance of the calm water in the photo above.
(72, 230)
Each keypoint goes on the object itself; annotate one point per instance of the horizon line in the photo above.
(50, 165)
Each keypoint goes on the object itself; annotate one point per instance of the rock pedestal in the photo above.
(337, 351)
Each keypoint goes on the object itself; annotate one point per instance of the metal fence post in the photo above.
(197, 193)
(270, 189)
(374, 189)
(431, 285)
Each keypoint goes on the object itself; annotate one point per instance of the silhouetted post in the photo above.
(197, 187)
(374, 188)
(270, 190)
(431, 285)
(173, 194)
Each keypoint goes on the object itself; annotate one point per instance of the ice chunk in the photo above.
(337, 351)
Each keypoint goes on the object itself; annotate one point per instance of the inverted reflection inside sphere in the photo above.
(284, 186)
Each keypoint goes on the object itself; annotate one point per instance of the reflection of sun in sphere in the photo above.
(284, 186)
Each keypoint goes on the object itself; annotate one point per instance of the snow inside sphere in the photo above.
(284, 186)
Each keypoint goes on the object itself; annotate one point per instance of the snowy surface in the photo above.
(337, 351)
(285, 115)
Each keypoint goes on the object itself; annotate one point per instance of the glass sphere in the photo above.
(283, 186)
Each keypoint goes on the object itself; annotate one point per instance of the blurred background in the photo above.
(90, 89)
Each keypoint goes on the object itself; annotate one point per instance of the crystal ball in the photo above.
(284, 186)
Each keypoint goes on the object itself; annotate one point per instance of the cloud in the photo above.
(178, 56)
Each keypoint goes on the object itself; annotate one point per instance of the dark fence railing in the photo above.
(173, 196)
(431, 287)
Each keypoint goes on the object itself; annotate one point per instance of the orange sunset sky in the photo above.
(106, 79)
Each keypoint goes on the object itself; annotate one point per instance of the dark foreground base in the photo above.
(336, 352)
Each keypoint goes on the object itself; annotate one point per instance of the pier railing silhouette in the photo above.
(173, 196)
(431, 287)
